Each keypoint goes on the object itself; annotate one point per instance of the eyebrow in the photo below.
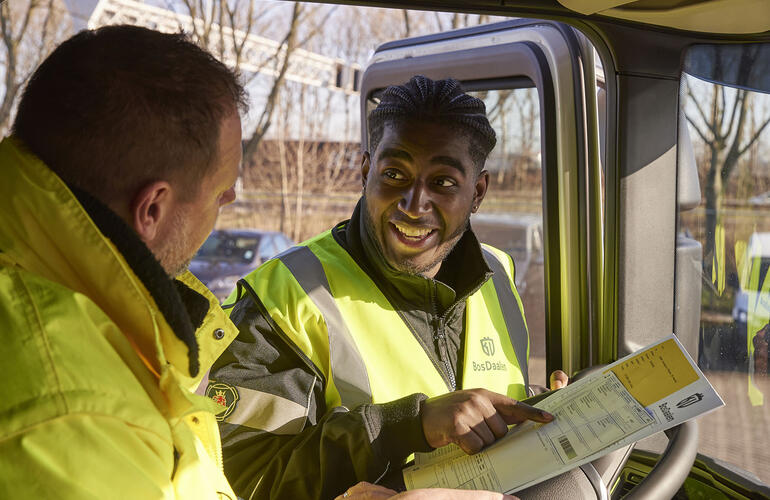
(449, 161)
(398, 154)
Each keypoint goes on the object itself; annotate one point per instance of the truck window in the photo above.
(511, 217)
(730, 220)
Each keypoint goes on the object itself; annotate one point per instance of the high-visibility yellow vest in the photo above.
(331, 310)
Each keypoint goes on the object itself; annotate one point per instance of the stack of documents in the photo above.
(646, 392)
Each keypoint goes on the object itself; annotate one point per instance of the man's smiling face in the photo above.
(420, 187)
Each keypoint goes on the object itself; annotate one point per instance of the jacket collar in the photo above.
(461, 274)
(46, 230)
(182, 308)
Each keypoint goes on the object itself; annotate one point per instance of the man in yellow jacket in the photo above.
(126, 144)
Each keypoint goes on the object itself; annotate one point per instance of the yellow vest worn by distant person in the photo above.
(335, 314)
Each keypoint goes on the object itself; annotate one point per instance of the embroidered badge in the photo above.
(488, 346)
(225, 395)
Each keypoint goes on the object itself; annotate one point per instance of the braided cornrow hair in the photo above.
(442, 101)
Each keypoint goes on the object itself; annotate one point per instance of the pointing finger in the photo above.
(516, 412)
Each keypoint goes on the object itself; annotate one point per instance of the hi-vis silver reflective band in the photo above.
(347, 366)
(512, 315)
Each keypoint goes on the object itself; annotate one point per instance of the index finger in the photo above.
(515, 412)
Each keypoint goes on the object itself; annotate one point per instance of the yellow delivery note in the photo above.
(643, 377)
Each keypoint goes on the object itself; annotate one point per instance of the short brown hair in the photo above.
(114, 108)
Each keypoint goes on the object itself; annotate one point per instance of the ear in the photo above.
(149, 208)
(365, 163)
(482, 183)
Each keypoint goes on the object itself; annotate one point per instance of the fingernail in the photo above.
(547, 415)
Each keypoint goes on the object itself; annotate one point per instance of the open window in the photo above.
(544, 203)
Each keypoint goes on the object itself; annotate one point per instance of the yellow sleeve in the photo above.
(82, 456)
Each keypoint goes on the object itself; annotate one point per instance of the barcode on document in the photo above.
(567, 447)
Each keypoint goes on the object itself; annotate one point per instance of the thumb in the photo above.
(558, 380)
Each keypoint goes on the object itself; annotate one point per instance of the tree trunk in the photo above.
(713, 192)
(300, 167)
(265, 120)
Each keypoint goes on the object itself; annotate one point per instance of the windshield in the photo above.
(223, 246)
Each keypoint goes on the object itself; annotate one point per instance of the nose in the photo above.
(416, 201)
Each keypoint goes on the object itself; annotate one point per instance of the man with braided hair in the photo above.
(369, 342)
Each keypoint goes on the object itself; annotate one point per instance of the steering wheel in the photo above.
(589, 481)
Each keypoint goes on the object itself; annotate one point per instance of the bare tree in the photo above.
(720, 121)
(223, 26)
(29, 30)
(283, 56)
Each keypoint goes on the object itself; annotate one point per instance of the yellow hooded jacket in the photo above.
(95, 385)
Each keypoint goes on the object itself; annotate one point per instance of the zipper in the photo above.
(437, 364)
(440, 338)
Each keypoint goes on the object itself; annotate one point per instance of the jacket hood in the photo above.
(44, 229)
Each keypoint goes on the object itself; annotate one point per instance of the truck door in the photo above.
(543, 206)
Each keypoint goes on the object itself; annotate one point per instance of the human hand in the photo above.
(368, 491)
(473, 418)
(558, 380)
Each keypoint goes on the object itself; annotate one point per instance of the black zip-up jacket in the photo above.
(319, 452)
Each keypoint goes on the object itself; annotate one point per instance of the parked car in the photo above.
(760, 199)
(228, 255)
(519, 235)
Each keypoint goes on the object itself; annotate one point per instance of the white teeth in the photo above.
(412, 232)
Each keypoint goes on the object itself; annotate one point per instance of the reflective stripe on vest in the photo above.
(348, 368)
(514, 321)
(400, 365)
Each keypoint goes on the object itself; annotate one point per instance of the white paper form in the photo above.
(587, 420)
(649, 391)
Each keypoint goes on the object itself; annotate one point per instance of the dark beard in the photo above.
(407, 266)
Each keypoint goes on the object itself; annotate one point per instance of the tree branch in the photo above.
(317, 27)
(740, 96)
(701, 134)
(263, 124)
(698, 107)
(721, 113)
(753, 138)
(438, 21)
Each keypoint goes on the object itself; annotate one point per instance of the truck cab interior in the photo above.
(642, 129)
(638, 241)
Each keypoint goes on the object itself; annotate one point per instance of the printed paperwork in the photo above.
(649, 391)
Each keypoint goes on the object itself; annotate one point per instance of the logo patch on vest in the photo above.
(225, 395)
(488, 346)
